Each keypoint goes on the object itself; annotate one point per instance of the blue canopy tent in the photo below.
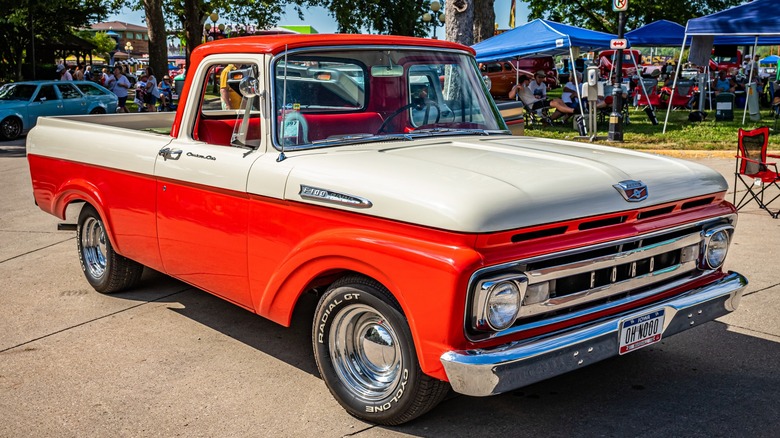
(541, 38)
(663, 33)
(771, 59)
(756, 19)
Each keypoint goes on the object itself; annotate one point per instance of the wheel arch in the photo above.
(417, 274)
(18, 116)
(81, 191)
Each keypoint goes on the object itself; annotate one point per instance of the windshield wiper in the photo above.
(457, 131)
(360, 138)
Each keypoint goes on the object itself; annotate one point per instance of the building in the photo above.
(138, 36)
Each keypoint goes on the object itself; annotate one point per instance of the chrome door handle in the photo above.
(173, 154)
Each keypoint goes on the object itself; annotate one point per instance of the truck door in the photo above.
(202, 203)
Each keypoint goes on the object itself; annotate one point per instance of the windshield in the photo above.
(17, 91)
(322, 98)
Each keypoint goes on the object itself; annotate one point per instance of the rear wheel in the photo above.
(366, 356)
(105, 270)
(10, 128)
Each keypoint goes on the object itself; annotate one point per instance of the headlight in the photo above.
(716, 246)
(503, 303)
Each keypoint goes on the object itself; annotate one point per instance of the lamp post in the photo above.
(434, 18)
(129, 49)
(214, 31)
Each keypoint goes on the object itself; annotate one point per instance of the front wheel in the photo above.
(365, 354)
(106, 271)
(10, 128)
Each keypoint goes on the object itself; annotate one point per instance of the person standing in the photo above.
(79, 74)
(64, 73)
(119, 84)
(152, 92)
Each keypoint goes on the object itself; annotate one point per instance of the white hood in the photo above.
(487, 184)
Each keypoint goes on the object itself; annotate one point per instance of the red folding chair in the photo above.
(652, 98)
(683, 94)
(754, 172)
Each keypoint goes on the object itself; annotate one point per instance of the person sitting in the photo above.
(538, 86)
(523, 91)
(722, 84)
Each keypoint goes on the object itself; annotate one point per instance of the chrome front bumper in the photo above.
(500, 369)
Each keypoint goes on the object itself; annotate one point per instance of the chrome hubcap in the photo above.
(93, 247)
(365, 352)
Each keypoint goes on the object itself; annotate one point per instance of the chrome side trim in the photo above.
(329, 196)
(483, 372)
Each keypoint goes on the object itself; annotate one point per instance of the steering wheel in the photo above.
(427, 103)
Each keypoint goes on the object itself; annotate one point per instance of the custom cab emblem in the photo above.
(632, 191)
(317, 194)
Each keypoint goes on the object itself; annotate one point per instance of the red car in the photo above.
(503, 75)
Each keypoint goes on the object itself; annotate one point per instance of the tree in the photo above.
(21, 21)
(484, 20)
(459, 27)
(158, 37)
(598, 14)
(378, 16)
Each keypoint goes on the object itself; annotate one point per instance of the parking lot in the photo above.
(167, 359)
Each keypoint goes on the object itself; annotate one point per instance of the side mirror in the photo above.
(249, 87)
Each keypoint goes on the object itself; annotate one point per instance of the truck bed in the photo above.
(156, 123)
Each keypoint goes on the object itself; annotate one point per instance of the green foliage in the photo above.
(101, 40)
(403, 17)
(47, 19)
(598, 14)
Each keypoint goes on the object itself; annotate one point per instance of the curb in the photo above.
(690, 154)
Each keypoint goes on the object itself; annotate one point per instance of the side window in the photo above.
(69, 91)
(494, 68)
(46, 93)
(222, 107)
(89, 90)
(508, 67)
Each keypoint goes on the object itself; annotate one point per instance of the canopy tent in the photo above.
(771, 59)
(756, 19)
(663, 33)
(542, 38)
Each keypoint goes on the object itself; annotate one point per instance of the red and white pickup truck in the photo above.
(377, 173)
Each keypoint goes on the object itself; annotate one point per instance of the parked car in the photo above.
(21, 103)
(444, 253)
(503, 76)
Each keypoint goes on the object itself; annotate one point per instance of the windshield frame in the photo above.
(274, 125)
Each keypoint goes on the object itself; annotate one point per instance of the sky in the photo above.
(324, 23)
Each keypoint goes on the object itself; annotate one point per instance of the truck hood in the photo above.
(487, 184)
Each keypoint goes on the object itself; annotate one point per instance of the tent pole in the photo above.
(750, 78)
(573, 71)
(517, 77)
(674, 84)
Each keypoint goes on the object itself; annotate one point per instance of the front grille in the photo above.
(575, 283)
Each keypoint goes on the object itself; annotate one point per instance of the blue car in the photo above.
(21, 103)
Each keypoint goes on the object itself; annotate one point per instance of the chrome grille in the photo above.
(574, 283)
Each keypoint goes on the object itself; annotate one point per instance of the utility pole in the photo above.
(616, 118)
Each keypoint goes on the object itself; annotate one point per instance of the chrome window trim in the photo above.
(473, 294)
(280, 55)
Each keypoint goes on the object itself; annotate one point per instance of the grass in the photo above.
(680, 133)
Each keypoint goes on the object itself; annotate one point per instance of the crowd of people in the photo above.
(148, 90)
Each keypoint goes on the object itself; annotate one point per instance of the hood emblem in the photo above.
(632, 191)
(324, 195)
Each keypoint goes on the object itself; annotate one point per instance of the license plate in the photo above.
(641, 331)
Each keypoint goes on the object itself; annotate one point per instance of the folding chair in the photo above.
(652, 98)
(753, 171)
(683, 94)
(605, 112)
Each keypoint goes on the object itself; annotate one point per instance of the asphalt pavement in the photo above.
(167, 359)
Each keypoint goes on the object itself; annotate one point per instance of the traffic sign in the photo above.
(620, 43)
(619, 5)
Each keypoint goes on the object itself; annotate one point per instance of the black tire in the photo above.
(10, 128)
(106, 271)
(98, 110)
(365, 354)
